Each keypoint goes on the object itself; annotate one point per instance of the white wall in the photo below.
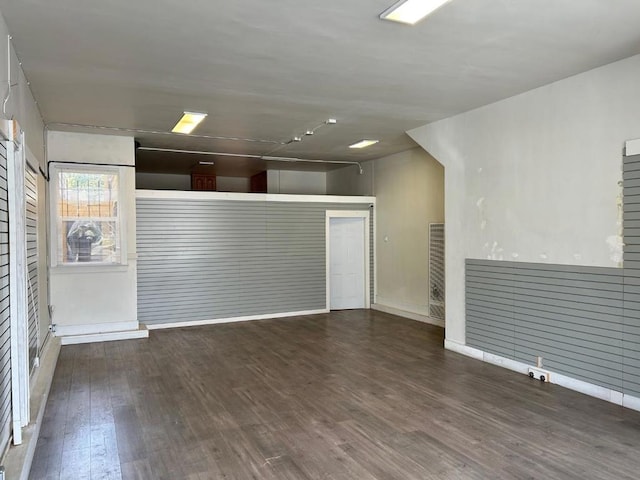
(43, 278)
(349, 181)
(409, 191)
(22, 107)
(296, 182)
(232, 184)
(162, 181)
(93, 299)
(535, 177)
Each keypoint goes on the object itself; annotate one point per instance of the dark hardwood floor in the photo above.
(354, 395)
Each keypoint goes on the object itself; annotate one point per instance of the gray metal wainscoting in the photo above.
(31, 230)
(212, 259)
(5, 319)
(571, 316)
(631, 328)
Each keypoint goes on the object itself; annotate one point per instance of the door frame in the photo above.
(366, 215)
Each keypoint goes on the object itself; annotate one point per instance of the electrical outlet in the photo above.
(539, 374)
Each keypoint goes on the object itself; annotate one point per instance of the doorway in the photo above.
(348, 253)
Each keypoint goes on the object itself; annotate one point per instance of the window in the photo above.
(87, 215)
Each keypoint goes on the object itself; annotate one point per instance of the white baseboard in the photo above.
(464, 349)
(631, 402)
(406, 314)
(19, 458)
(249, 318)
(94, 328)
(141, 332)
(590, 389)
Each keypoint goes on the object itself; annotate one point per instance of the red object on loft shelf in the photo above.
(200, 181)
(258, 183)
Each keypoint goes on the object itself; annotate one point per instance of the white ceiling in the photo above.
(271, 70)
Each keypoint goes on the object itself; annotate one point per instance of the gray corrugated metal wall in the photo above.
(631, 327)
(31, 203)
(5, 319)
(584, 321)
(571, 316)
(209, 259)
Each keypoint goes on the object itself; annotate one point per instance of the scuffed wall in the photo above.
(535, 178)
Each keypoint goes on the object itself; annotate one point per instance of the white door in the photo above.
(347, 263)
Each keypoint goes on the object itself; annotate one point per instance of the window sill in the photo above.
(76, 268)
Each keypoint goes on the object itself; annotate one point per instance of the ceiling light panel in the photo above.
(411, 12)
(188, 122)
(364, 143)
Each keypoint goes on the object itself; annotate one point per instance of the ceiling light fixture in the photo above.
(364, 143)
(411, 12)
(311, 131)
(188, 122)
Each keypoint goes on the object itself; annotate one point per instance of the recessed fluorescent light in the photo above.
(411, 11)
(364, 143)
(188, 122)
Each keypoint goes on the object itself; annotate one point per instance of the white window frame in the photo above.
(54, 170)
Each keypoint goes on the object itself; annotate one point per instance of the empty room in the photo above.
(362, 240)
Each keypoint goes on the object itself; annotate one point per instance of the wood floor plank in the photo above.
(348, 395)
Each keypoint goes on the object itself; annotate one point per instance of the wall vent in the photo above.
(436, 270)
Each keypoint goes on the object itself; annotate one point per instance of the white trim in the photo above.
(6, 129)
(381, 307)
(366, 215)
(632, 147)
(94, 328)
(631, 402)
(18, 290)
(463, 349)
(54, 246)
(141, 332)
(375, 255)
(507, 363)
(590, 389)
(602, 393)
(250, 197)
(88, 267)
(248, 318)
